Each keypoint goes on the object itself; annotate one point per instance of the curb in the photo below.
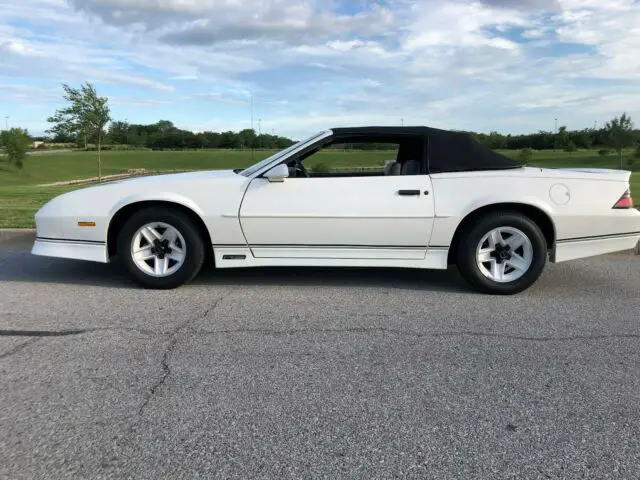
(7, 234)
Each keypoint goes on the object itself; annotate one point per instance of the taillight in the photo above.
(625, 201)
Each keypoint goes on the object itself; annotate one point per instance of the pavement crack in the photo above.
(41, 333)
(19, 347)
(164, 363)
(410, 333)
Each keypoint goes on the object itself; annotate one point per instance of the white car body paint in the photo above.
(347, 221)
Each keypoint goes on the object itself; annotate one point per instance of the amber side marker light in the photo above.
(86, 224)
(625, 201)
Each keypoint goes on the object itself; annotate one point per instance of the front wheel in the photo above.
(502, 253)
(160, 248)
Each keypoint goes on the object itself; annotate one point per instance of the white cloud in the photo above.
(452, 62)
(535, 33)
(191, 22)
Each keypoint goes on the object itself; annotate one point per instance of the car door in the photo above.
(339, 217)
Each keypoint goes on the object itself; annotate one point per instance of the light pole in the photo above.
(6, 122)
(251, 112)
(259, 133)
(252, 130)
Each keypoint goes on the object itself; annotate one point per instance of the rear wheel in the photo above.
(502, 253)
(160, 248)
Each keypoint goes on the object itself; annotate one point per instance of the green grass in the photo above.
(75, 165)
(19, 203)
(21, 197)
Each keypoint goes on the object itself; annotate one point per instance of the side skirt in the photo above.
(242, 257)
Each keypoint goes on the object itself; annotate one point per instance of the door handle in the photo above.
(408, 192)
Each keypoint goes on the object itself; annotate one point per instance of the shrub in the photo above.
(526, 154)
(320, 168)
(16, 143)
(570, 147)
(604, 152)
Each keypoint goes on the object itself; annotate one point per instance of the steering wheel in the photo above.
(300, 168)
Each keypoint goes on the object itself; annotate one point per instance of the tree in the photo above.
(86, 116)
(562, 138)
(16, 141)
(635, 156)
(119, 132)
(570, 147)
(619, 134)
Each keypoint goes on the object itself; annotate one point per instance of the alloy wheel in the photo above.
(158, 249)
(504, 254)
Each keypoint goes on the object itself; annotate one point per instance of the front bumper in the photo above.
(71, 249)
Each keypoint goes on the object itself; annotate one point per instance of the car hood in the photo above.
(168, 178)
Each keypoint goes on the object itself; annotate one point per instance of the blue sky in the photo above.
(507, 65)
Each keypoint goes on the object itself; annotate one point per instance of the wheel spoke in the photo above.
(484, 256)
(497, 270)
(176, 255)
(161, 266)
(495, 238)
(518, 263)
(143, 254)
(515, 242)
(171, 235)
(150, 234)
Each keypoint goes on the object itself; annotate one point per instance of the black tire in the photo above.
(195, 252)
(466, 259)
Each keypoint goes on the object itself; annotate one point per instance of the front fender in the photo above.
(170, 197)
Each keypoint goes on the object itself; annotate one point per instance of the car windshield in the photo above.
(256, 167)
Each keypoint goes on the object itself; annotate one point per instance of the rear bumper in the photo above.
(72, 249)
(573, 249)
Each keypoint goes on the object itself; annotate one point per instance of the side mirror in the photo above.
(278, 173)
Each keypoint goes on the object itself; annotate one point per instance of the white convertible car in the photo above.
(443, 200)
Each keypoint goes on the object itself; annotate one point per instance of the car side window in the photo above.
(360, 158)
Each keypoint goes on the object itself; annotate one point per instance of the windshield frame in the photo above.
(265, 164)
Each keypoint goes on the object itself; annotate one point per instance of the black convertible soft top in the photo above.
(446, 150)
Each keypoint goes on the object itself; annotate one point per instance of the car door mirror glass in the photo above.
(277, 173)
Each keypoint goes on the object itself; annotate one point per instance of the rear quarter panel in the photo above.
(579, 203)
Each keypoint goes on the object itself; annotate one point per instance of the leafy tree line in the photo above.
(165, 135)
(563, 138)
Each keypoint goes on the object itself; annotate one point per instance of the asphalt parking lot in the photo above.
(321, 373)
